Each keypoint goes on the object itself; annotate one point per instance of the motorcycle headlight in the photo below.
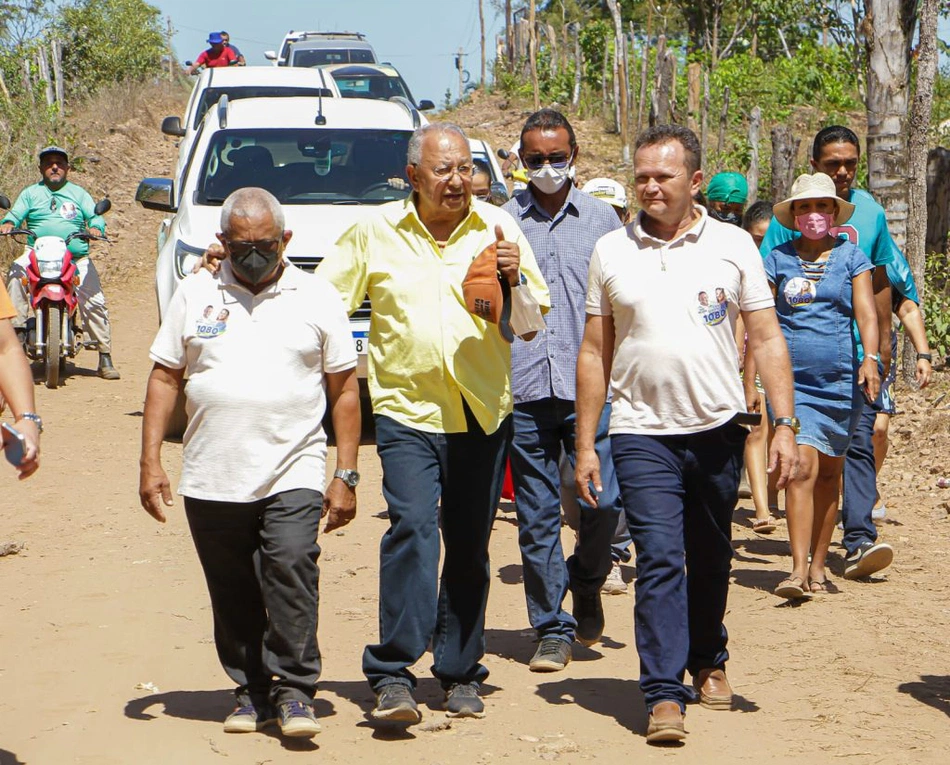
(50, 269)
(186, 257)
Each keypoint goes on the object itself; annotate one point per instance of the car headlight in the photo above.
(186, 257)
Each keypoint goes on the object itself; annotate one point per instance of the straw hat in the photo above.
(817, 186)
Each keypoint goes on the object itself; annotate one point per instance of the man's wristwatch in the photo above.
(33, 417)
(790, 422)
(924, 357)
(350, 477)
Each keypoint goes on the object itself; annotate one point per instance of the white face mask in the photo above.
(548, 179)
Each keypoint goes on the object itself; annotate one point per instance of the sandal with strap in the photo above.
(763, 525)
(791, 588)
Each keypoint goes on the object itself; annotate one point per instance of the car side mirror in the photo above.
(270, 55)
(425, 105)
(102, 206)
(4, 201)
(156, 194)
(498, 194)
(172, 126)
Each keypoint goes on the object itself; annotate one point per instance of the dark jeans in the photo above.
(679, 493)
(465, 472)
(860, 483)
(260, 562)
(541, 429)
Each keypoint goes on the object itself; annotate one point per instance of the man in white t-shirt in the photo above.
(264, 345)
(663, 295)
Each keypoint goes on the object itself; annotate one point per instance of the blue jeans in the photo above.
(260, 563)
(465, 472)
(679, 493)
(541, 429)
(860, 483)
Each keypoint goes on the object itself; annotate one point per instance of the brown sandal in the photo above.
(791, 588)
(763, 525)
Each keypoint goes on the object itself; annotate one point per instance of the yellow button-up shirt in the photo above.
(426, 351)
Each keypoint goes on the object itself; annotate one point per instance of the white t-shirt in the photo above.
(255, 394)
(674, 306)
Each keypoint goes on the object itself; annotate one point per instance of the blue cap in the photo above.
(215, 38)
(53, 150)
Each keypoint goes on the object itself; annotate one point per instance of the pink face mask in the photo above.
(814, 225)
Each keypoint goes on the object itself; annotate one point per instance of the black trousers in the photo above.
(260, 563)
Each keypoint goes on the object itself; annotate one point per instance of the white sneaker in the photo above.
(879, 513)
(614, 583)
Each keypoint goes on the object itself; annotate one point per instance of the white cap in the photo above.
(608, 190)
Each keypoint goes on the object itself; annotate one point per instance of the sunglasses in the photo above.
(263, 246)
(557, 161)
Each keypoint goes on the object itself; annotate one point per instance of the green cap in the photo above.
(728, 187)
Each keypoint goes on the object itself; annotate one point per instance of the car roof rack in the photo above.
(222, 109)
(298, 36)
(410, 108)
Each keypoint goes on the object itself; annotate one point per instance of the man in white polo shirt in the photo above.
(662, 300)
(264, 344)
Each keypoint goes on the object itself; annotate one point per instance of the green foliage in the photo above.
(937, 303)
(109, 41)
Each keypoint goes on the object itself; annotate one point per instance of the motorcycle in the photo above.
(54, 333)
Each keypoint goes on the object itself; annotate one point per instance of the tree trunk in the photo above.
(509, 34)
(694, 74)
(889, 26)
(644, 68)
(752, 177)
(578, 66)
(938, 200)
(481, 26)
(921, 112)
(784, 151)
(621, 88)
(704, 124)
(723, 118)
(533, 54)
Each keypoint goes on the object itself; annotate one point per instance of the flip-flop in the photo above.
(791, 588)
(816, 587)
(763, 525)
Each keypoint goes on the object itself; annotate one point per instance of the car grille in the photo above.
(310, 263)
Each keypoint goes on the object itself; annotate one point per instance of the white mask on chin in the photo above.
(548, 179)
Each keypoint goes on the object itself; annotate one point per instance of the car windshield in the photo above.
(211, 95)
(379, 86)
(324, 56)
(307, 166)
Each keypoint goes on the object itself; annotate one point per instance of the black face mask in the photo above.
(254, 266)
(729, 217)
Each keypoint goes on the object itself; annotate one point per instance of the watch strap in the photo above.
(33, 417)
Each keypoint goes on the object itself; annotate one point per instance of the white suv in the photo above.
(237, 82)
(326, 160)
(322, 48)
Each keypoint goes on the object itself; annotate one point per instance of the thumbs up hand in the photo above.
(509, 257)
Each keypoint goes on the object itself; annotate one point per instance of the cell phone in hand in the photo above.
(14, 445)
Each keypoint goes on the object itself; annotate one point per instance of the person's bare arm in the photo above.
(16, 387)
(864, 302)
(160, 397)
(593, 375)
(767, 346)
(343, 392)
(913, 320)
(882, 304)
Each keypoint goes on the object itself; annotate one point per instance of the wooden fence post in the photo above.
(57, 55)
(752, 177)
(694, 74)
(704, 139)
(28, 80)
(723, 118)
(644, 69)
(938, 199)
(784, 151)
(575, 29)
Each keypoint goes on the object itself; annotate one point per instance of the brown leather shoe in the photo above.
(713, 689)
(666, 723)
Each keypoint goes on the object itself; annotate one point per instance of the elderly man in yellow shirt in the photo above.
(439, 378)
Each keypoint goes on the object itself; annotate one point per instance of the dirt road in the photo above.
(106, 652)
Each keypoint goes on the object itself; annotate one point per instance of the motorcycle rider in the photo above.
(219, 54)
(56, 207)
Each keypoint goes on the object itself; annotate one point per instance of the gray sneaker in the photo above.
(394, 703)
(297, 719)
(552, 656)
(869, 558)
(461, 700)
(614, 583)
(249, 718)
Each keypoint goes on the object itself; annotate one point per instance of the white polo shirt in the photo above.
(255, 394)
(674, 306)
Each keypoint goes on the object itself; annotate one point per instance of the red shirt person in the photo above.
(218, 54)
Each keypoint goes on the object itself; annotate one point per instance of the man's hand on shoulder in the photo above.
(211, 259)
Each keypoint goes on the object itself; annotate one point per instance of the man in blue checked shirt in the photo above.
(562, 225)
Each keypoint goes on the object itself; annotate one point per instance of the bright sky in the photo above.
(419, 37)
